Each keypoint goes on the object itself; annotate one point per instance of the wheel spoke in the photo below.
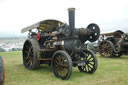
(29, 61)
(27, 46)
(26, 51)
(65, 65)
(57, 68)
(84, 68)
(31, 64)
(87, 69)
(90, 66)
(89, 58)
(57, 62)
(27, 57)
(59, 59)
(84, 53)
(90, 63)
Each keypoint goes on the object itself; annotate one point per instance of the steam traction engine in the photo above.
(113, 44)
(61, 46)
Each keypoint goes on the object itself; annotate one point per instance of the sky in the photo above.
(110, 15)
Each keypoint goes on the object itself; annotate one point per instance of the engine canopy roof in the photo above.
(49, 24)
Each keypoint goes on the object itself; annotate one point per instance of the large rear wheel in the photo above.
(62, 65)
(30, 54)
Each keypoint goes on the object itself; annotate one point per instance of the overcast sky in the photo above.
(110, 15)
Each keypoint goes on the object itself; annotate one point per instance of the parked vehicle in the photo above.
(61, 46)
(113, 44)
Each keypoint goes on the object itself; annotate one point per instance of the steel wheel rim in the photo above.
(61, 65)
(90, 62)
(28, 54)
(105, 49)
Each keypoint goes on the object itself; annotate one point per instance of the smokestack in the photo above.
(71, 12)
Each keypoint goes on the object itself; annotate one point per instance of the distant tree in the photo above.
(2, 50)
(16, 49)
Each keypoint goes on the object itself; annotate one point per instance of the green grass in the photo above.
(111, 71)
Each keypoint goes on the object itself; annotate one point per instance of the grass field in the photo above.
(111, 71)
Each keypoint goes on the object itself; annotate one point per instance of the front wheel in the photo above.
(90, 62)
(62, 65)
